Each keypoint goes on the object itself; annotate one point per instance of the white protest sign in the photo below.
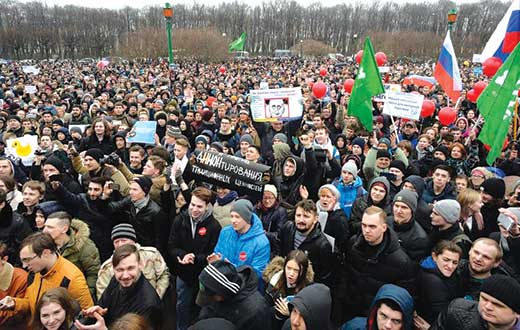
(30, 89)
(30, 69)
(403, 105)
(23, 147)
(388, 88)
(477, 58)
(270, 105)
(384, 69)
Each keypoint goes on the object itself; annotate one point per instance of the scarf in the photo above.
(231, 196)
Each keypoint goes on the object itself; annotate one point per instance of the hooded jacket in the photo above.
(387, 292)
(82, 252)
(288, 186)
(13, 230)
(247, 310)
(423, 212)
(251, 248)
(461, 314)
(429, 196)
(182, 241)
(364, 202)
(349, 193)
(314, 304)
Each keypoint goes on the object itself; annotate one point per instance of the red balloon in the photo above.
(447, 116)
(471, 95)
(319, 89)
(380, 58)
(323, 72)
(427, 109)
(210, 100)
(479, 87)
(359, 55)
(348, 84)
(491, 66)
(222, 69)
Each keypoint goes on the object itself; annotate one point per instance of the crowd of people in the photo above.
(402, 225)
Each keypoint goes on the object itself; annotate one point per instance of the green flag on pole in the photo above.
(367, 84)
(239, 43)
(497, 104)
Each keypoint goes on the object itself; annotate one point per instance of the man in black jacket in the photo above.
(305, 234)
(498, 308)
(129, 291)
(193, 237)
(310, 309)
(445, 216)
(13, 230)
(375, 258)
(231, 294)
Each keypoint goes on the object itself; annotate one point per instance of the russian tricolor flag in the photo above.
(506, 35)
(447, 70)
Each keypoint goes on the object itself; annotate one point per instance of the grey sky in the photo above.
(117, 4)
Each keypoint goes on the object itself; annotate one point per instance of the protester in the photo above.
(55, 310)
(13, 283)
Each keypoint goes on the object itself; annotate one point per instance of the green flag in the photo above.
(367, 84)
(497, 104)
(239, 43)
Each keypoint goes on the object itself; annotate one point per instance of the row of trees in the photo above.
(33, 30)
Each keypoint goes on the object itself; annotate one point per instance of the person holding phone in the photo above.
(285, 278)
(509, 236)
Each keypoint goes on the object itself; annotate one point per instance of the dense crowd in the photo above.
(400, 226)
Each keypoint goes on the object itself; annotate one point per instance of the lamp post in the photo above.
(301, 47)
(452, 18)
(168, 15)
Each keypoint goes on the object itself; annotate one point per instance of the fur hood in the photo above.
(274, 270)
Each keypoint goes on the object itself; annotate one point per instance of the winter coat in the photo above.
(461, 314)
(150, 223)
(183, 241)
(154, 270)
(93, 213)
(314, 303)
(13, 283)
(454, 234)
(233, 139)
(423, 211)
(361, 204)
(140, 299)
(387, 292)
(62, 274)
(13, 230)
(370, 170)
(106, 145)
(158, 182)
(114, 175)
(315, 245)
(251, 248)
(14, 198)
(272, 220)
(336, 226)
(369, 268)
(288, 187)
(349, 193)
(247, 310)
(429, 196)
(434, 290)
(82, 252)
(511, 248)
(413, 238)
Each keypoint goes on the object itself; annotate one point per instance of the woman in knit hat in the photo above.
(478, 176)
(332, 218)
(273, 215)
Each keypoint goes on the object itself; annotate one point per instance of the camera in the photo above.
(112, 159)
(39, 152)
(321, 155)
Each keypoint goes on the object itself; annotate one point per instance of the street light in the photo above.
(301, 47)
(168, 15)
(452, 18)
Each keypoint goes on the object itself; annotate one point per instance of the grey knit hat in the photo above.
(281, 137)
(408, 197)
(448, 209)
(244, 208)
(351, 168)
(247, 138)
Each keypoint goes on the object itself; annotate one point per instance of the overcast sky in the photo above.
(117, 4)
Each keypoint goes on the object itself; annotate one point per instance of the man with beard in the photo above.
(305, 234)
(90, 208)
(485, 258)
(227, 133)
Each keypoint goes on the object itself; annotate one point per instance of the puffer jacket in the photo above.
(461, 314)
(369, 270)
(82, 252)
(434, 290)
(412, 238)
(361, 204)
(251, 248)
(62, 274)
(349, 193)
(248, 310)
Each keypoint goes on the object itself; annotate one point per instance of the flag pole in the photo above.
(395, 129)
(515, 123)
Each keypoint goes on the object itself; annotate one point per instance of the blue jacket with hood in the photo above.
(251, 248)
(349, 193)
(388, 292)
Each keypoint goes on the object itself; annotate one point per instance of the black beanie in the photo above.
(145, 183)
(504, 288)
(95, 153)
(399, 165)
(444, 150)
(56, 162)
(495, 187)
(382, 153)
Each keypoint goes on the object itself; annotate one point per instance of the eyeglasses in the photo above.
(29, 259)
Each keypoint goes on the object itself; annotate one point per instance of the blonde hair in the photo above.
(467, 197)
